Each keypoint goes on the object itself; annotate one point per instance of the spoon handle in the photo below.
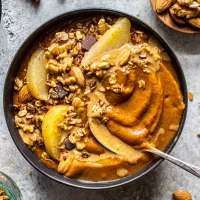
(188, 167)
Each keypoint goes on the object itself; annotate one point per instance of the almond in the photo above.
(195, 22)
(124, 58)
(78, 75)
(162, 5)
(182, 195)
(177, 19)
(24, 95)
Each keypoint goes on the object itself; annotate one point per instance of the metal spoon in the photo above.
(188, 167)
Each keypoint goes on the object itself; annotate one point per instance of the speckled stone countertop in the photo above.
(20, 18)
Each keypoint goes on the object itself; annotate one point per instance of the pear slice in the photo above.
(114, 144)
(50, 131)
(36, 75)
(103, 135)
(118, 35)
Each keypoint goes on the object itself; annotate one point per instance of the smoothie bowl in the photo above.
(90, 89)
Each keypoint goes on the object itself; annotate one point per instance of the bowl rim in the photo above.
(9, 112)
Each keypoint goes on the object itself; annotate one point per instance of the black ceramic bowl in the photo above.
(9, 111)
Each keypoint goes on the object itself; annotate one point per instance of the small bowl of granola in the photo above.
(8, 188)
(93, 89)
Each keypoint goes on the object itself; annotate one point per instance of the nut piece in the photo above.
(61, 36)
(18, 84)
(78, 75)
(195, 22)
(194, 5)
(22, 113)
(190, 96)
(124, 57)
(102, 26)
(185, 2)
(187, 12)
(25, 95)
(182, 195)
(162, 5)
(176, 7)
(177, 19)
(79, 36)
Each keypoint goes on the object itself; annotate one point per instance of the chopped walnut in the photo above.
(102, 26)
(18, 84)
(45, 156)
(61, 36)
(79, 36)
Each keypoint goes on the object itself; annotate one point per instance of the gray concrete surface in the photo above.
(20, 18)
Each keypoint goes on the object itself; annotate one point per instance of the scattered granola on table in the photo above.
(190, 96)
(92, 93)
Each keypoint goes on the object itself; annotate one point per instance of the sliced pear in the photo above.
(118, 35)
(50, 131)
(36, 75)
(103, 135)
